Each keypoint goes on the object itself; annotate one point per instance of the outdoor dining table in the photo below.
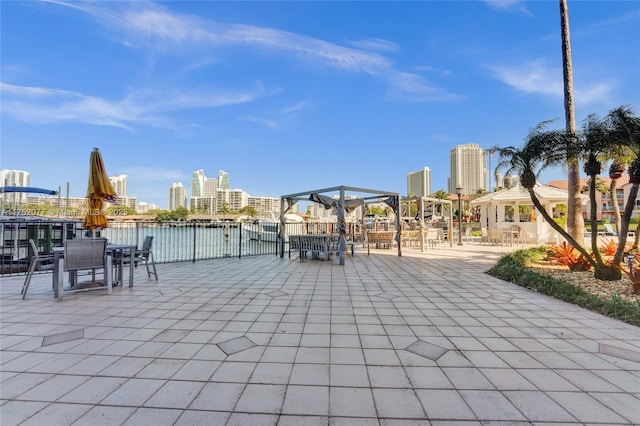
(117, 252)
(509, 236)
(315, 244)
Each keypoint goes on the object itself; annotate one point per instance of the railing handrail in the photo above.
(174, 241)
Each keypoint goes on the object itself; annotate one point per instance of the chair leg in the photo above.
(27, 280)
(153, 264)
(108, 270)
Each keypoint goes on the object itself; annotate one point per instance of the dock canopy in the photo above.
(27, 189)
(358, 197)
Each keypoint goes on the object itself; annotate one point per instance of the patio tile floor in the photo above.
(423, 339)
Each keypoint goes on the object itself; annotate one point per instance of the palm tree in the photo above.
(625, 132)
(542, 149)
(594, 144)
(441, 194)
(479, 193)
(575, 221)
(601, 187)
(624, 128)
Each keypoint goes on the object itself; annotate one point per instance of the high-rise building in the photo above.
(237, 198)
(198, 179)
(143, 207)
(468, 169)
(119, 183)
(15, 178)
(265, 206)
(203, 192)
(223, 180)
(419, 183)
(177, 196)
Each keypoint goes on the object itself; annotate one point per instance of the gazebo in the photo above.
(431, 205)
(503, 209)
(335, 197)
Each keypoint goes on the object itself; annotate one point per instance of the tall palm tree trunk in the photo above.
(616, 169)
(575, 220)
(560, 229)
(594, 225)
(626, 218)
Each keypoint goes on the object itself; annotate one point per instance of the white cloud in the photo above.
(375, 44)
(150, 25)
(291, 109)
(411, 87)
(140, 107)
(599, 93)
(538, 78)
(272, 124)
(509, 5)
(153, 26)
(433, 70)
(531, 77)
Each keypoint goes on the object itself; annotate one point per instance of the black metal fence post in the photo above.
(194, 242)
(240, 240)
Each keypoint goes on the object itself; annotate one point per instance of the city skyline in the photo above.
(294, 96)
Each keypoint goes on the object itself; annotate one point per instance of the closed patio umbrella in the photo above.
(99, 190)
(327, 202)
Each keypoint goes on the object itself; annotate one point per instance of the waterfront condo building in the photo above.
(419, 183)
(468, 169)
(15, 178)
(177, 196)
(198, 179)
(119, 183)
(204, 191)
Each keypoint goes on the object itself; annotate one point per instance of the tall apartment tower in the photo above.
(15, 178)
(419, 183)
(177, 196)
(468, 169)
(198, 179)
(119, 183)
(223, 180)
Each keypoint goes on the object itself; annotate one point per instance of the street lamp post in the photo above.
(459, 192)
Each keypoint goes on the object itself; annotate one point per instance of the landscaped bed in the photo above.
(534, 269)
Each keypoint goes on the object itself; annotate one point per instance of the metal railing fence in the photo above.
(173, 241)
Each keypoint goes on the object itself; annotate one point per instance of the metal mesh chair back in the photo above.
(146, 244)
(82, 254)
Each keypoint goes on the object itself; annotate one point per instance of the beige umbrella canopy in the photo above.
(99, 190)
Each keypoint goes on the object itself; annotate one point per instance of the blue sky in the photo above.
(288, 97)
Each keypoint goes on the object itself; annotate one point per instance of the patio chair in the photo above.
(517, 235)
(608, 230)
(434, 237)
(306, 247)
(484, 236)
(466, 234)
(86, 254)
(145, 255)
(38, 263)
(496, 236)
(294, 244)
(320, 247)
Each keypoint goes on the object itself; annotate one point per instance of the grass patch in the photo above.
(513, 268)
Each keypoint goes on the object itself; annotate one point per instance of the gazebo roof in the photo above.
(517, 194)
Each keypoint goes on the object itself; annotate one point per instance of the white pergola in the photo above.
(425, 201)
(367, 196)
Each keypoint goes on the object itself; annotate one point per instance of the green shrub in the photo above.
(513, 268)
